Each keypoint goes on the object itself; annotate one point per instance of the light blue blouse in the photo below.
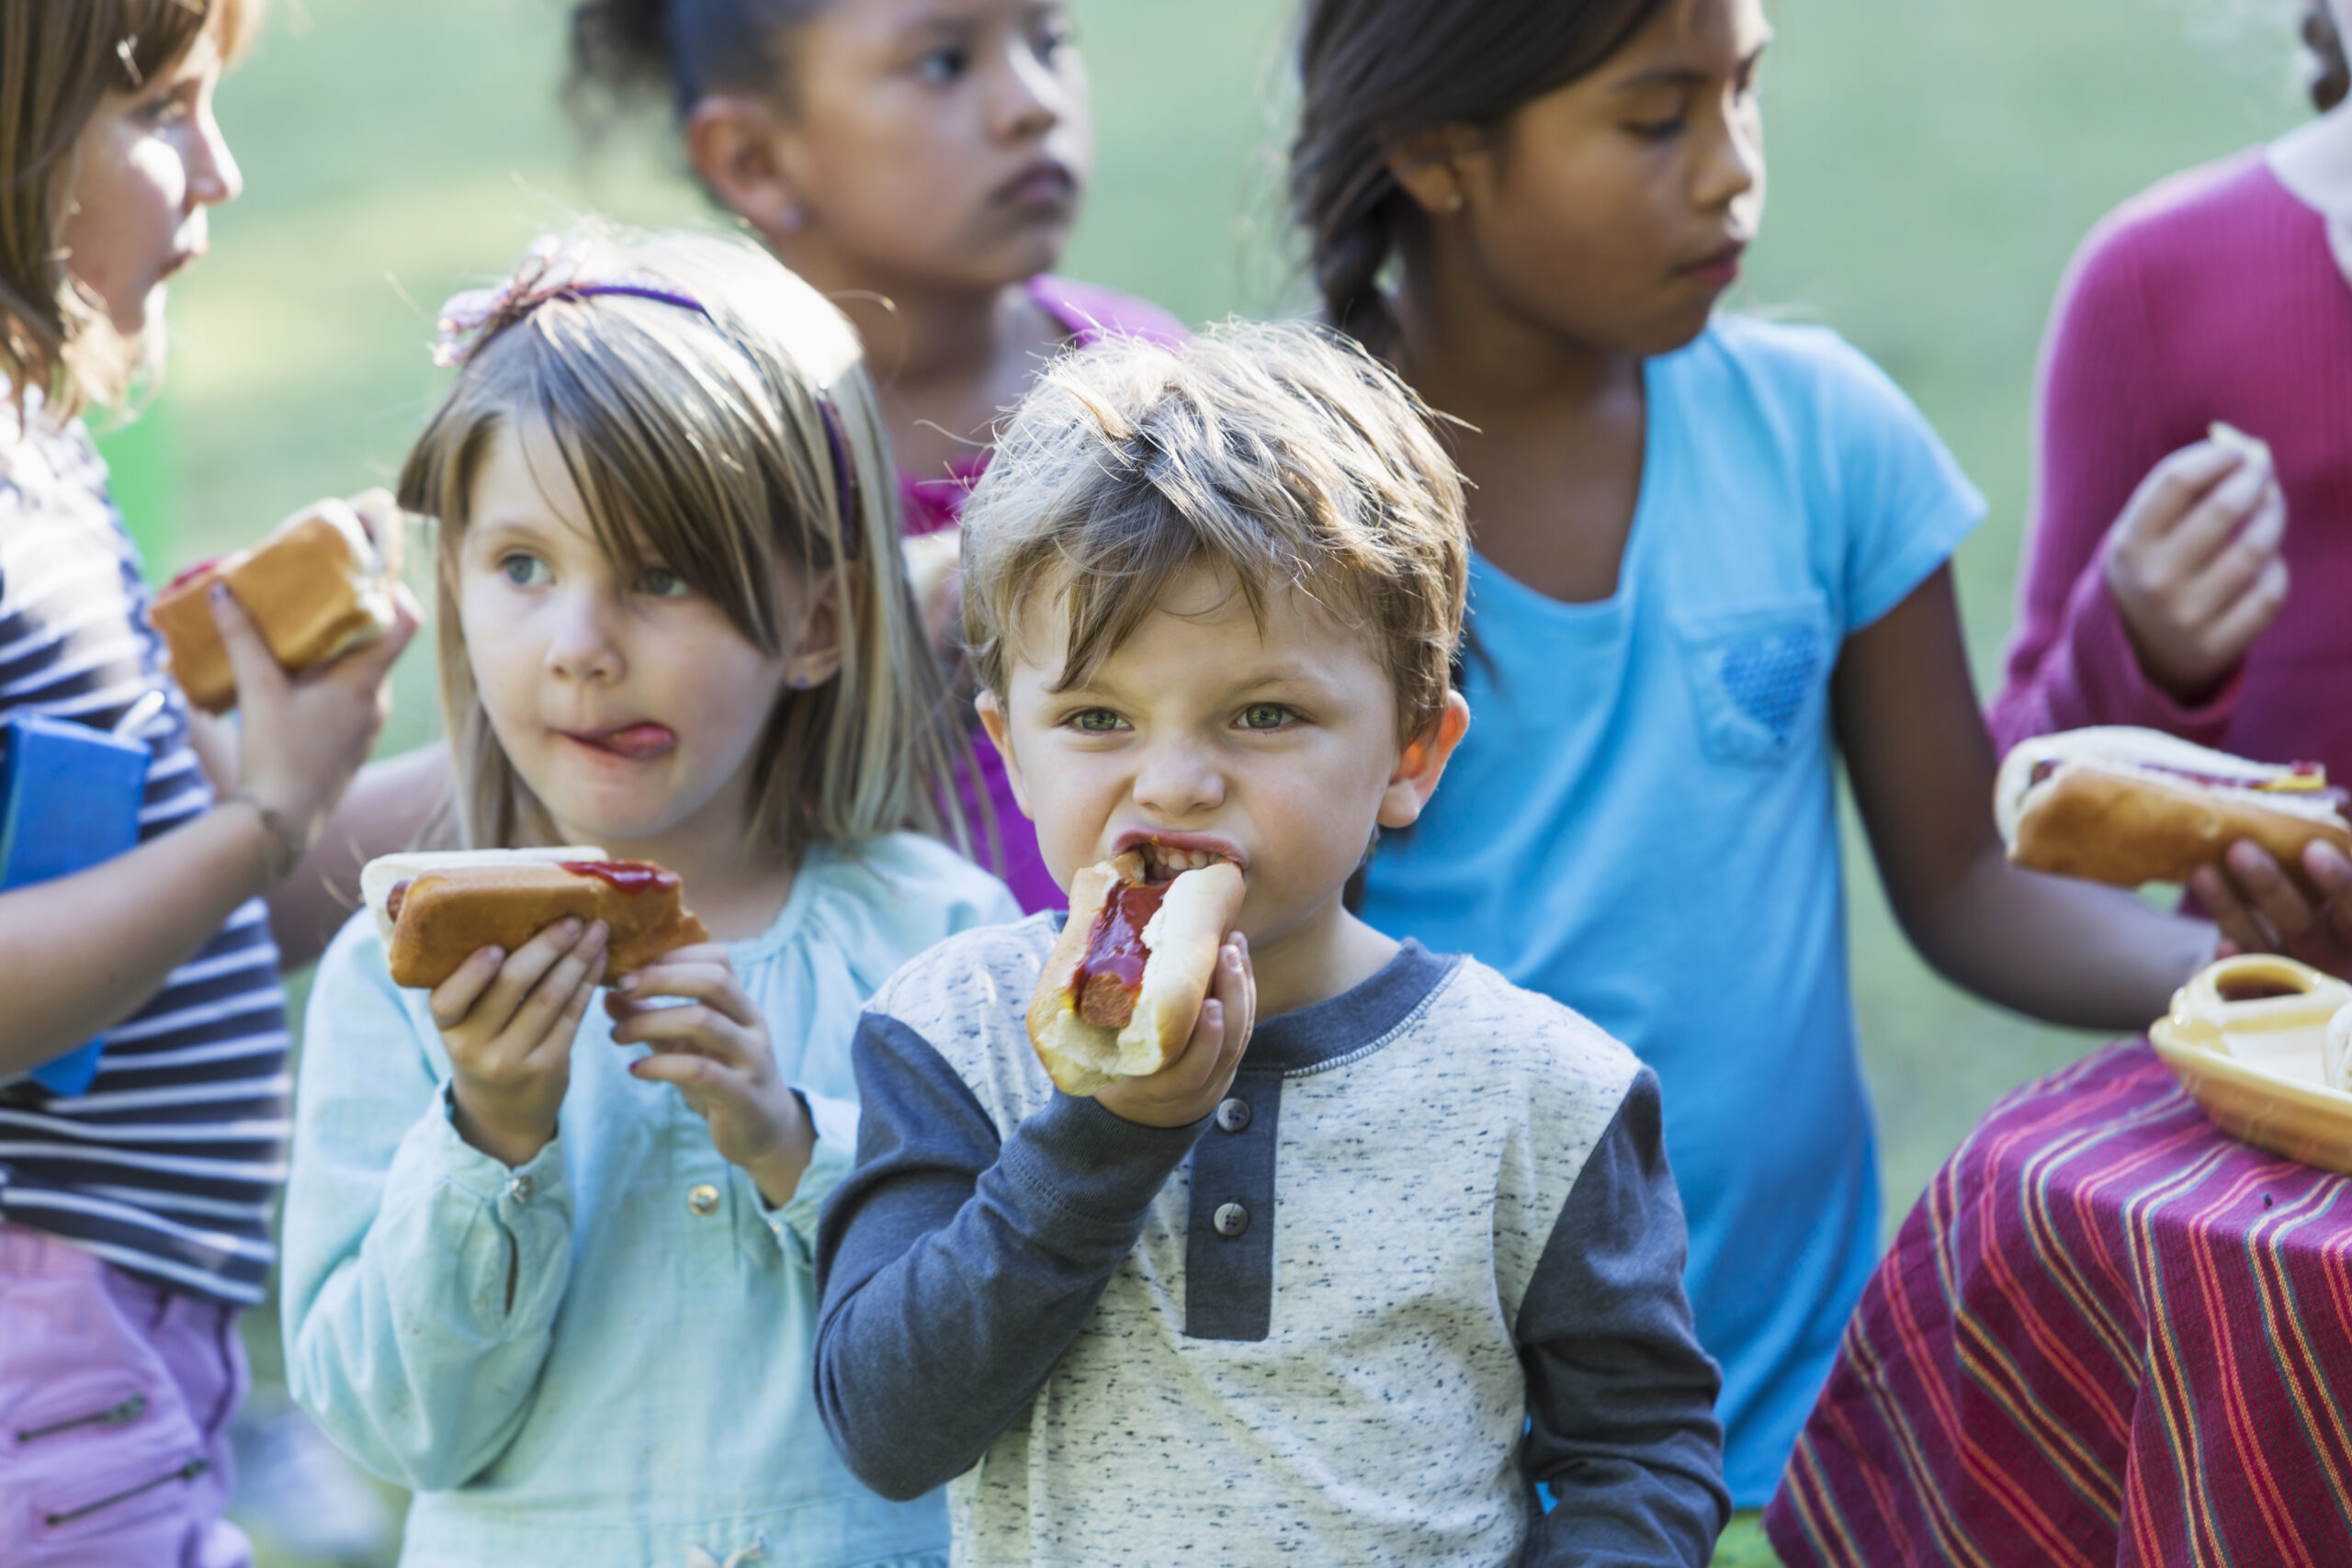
(645, 1397)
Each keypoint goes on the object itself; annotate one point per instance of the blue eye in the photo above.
(524, 570)
(942, 66)
(1264, 716)
(663, 583)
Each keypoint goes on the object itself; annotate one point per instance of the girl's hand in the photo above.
(716, 1051)
(1190, 1087)
(2194, 568)
(303, 737)
(508, 1024)
(2260, 910)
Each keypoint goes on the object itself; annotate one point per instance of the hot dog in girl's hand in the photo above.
(434, 911)
(1123, 985)
(2128, 806)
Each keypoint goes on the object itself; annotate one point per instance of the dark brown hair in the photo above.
(1374, 74)
(681, 49)
(58, 62)
(2330, 73)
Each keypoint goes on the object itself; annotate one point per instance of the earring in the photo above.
(1453, 200)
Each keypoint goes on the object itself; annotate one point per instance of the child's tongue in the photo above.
(638, 740)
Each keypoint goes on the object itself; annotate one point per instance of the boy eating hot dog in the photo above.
(1350, 1295)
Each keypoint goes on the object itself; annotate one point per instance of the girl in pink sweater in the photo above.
(922, 166)
(2156, 588)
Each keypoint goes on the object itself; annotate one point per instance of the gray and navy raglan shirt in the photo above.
(1425, 1255)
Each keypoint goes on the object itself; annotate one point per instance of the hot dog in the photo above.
(2132, 805)
(317, 587)
(436, 910)
(1124, 982)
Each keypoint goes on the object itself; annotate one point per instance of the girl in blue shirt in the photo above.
(561, 1291)
(1711, 559)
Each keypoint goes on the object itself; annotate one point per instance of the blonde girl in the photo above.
(558, 1289)
(135, 1191)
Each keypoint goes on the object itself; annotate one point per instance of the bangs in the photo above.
(156, 34)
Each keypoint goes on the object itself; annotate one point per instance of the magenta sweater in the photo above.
(2213, 296)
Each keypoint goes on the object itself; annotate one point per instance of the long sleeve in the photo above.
(1619, 1396)
(953, 1268)
(403, 1245)
(2101, 430)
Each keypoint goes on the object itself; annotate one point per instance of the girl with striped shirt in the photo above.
(134, 1215)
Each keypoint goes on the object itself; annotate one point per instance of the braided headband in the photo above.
(472, 318)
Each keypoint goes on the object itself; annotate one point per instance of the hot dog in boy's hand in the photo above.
(1124, 983)
(434, 911)
(2130, 805)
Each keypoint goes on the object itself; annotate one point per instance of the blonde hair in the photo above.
(1282, 455)
(58, 62)
(694, 430)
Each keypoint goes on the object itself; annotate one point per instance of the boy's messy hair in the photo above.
(714, 415)
(58, 62)
(1280, 455)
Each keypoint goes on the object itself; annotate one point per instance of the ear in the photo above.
(1423, 764)
(1428, 168)
(992, 720)
(816, 657)
(732, 139)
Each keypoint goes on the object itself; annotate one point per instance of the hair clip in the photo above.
(473, 317)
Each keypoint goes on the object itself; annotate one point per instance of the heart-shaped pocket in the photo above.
(1770, 677)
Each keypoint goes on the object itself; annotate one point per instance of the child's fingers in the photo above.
(571, 978)
(519, 977)
(455, 997)
(2173, 488)
(699, 1078)
(2276, 898)
(693, 1028)
(713, 984)
(2234, 631)
(2224, 580)
(1234, 982)
(556, 1039)
(2331, 870)
(2213, 520)
(2233, 915)
(254, 669)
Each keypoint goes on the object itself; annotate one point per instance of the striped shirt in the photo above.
(168, 1165)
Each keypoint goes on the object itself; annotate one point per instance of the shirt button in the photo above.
(1231, 1220)
(1233, 1115)
(519, 1190)
(704, 1199)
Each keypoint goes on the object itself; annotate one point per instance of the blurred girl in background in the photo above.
(2156, 588)
(135, 1211)
(920, 166)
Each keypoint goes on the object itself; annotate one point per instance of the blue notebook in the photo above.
(69, 799)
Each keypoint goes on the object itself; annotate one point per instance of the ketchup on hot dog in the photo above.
(629, 875)
(1112, 975)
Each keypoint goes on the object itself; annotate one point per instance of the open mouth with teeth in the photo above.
(1165, 862)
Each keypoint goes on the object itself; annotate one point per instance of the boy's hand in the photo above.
(508, 1023)
(1190, 1087)
(716, 1051)
(2260, 910)
(2194, 568)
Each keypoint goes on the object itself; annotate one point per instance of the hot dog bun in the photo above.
(317, 587)
(437, 910)
(2110, 804)
(1199, 908)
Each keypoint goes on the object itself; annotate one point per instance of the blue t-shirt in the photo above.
(1642, 822)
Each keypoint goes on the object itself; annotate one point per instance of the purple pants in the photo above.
(115, 1400)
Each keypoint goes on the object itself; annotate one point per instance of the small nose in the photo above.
(1178, 781)
(1030, 96)
(1734, 164)
(582, 645)
(213, 176)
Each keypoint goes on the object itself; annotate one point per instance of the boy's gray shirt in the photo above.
(1425, 1255)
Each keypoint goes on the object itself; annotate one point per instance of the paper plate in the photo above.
(2249, 1040)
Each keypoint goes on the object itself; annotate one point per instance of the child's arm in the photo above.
(421, 1275)
(1922, 766)
(1619, 1396)
(954, 1269)
(83, 952)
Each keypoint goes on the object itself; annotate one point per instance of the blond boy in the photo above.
(1343, 1288)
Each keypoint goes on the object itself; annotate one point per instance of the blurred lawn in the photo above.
(1933, 166)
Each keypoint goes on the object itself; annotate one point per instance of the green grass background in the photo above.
(1932, 166)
